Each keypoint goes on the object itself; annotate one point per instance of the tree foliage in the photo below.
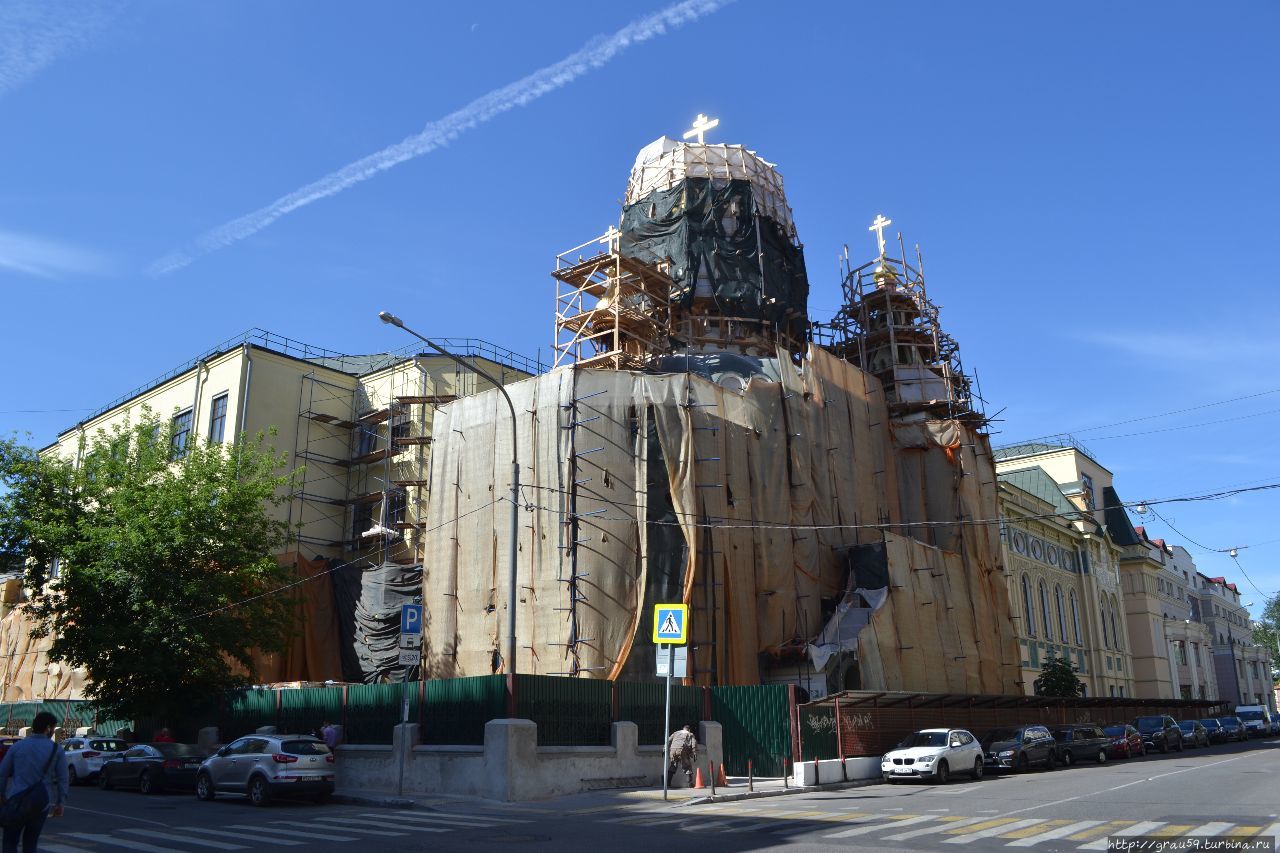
(1058, 678)
(168, 582)
(1266, 630)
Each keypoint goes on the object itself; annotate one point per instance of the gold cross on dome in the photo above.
(878, 225)
(701, 125)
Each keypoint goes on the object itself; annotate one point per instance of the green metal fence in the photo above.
(568, 711)
(455, 710)
(374, 710)
(71, 714)
(756, 723)
(644, 703)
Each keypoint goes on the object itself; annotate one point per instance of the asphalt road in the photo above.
(1226, 789)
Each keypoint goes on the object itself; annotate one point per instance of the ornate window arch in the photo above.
(1102, 620)
(1062, 613)
(1044, 611)
(1028, 608)
(1115, 633)
(1075, 617)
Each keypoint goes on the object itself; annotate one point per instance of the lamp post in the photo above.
(393, 320)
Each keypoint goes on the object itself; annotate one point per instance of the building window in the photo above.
(1115, 632)
(1062, 618)
(395, 508)
(366, 440)
(218, 419)
(1182, 654)
(55, 568)
(1044, 611)
(361, 520)
(1075, 618)
(1112, 690)
(181, 435)
(1086, 484)
(1102, 611)
(1028, 609)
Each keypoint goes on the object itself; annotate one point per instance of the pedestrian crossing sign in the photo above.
(671, 623)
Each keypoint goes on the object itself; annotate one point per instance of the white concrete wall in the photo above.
(511, 766)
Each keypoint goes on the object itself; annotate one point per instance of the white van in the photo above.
(1256, 719)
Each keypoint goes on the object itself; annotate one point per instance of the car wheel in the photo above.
(204, 787)
(1022, 764)
(73, 778)
(259, 794)
(886, 778)
(1164, 746)
(1180, 746)
(1049, 762)
(943, 773)
(104, 781)
(146, 784)
(1068, 758)
(978, 770)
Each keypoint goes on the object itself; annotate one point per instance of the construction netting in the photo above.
(741, 502)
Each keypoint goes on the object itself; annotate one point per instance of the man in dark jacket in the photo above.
(682, 751)
(30, 761)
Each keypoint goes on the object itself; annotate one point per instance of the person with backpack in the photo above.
(32, 774)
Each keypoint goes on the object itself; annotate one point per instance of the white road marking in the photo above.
(1215, 828)
(930, 830)
(1060, 832)
(118, 815)
(244, 836)
(1137, 829)
(355, 824)
(494, 818)
(293, 833)
(120, 842)
(455, 821)
(169, 836)
(314, 824)
(995, 830)
(1273, 831)
(49, 847)
(876, 827)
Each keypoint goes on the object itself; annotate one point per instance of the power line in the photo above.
(1185, 426)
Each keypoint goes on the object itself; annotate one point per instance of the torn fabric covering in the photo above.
(369, 599)
(640, 488)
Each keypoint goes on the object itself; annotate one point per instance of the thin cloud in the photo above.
(595, 54)
(44, 258)
(35, 34)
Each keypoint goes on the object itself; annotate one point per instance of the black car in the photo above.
(1159, 732)
(1194, 733)
(1019, 748)
(1235, 728)
(1081, 742)
(1217, 733)
(153, 767)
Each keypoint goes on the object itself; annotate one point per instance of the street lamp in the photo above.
(393, 320)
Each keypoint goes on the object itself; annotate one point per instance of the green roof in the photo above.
(1035, 481)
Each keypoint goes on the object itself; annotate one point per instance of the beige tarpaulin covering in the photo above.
(765, 485)
(25, 670)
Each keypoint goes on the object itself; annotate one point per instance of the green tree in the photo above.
(1058, 678)
(1266, 630)
(167, 584)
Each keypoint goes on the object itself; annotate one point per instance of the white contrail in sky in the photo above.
(596, 53)
(34, 34)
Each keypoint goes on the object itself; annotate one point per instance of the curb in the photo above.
(783, 792)
(381, 802)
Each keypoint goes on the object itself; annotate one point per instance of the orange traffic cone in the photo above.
(720, 778)
(697, 779)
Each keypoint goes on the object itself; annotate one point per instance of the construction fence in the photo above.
(71, 714)
(863, 723)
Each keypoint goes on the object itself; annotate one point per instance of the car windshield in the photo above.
(1230, 721)
(180, 750)
(1211, 724)
(1149, 724)
(1003, 734)
(315, 747)
(1187, 726)
(1114, 731)
(1249, 715)
(108, 745)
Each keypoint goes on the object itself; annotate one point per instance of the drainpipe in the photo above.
(248, 379)
(195, 401)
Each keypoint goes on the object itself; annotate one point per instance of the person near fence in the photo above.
(34, 769)
(163, 736)
(682, 752)
(329, 734)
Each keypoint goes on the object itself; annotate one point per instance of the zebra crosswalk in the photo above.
(936, 830)
(274, 833)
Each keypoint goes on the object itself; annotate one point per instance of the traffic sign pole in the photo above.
(666, 726)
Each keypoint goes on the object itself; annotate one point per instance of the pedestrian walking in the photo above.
(163, 736)
(682, 752)
(33, 774)
(329, 735)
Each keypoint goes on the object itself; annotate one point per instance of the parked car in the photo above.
(1217, 733)
(153, 767)
(85, 755)
(1019, 748)
(1159, 732)
(933, 754)
(1235, 728)
(1193, 733)
(1081, 742)
(1126, 742)
(1256, 719)
(263, 766)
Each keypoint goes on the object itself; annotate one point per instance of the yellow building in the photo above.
(359, 427)
(1060, 567)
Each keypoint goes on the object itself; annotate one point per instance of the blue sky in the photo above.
(1095, 187)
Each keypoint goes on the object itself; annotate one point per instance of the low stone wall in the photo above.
(511, 766)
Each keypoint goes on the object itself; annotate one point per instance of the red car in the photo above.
(1126, 742)
(5, 743)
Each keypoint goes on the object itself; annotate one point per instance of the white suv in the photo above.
(263, 766)
(934, 754)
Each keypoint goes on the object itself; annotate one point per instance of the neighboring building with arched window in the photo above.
(1062, 566)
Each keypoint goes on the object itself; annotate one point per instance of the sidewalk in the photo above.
(598, 801)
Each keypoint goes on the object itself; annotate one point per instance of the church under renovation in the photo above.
(821, 494)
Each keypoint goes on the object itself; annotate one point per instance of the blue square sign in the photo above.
(671, 623)
(411, 619)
